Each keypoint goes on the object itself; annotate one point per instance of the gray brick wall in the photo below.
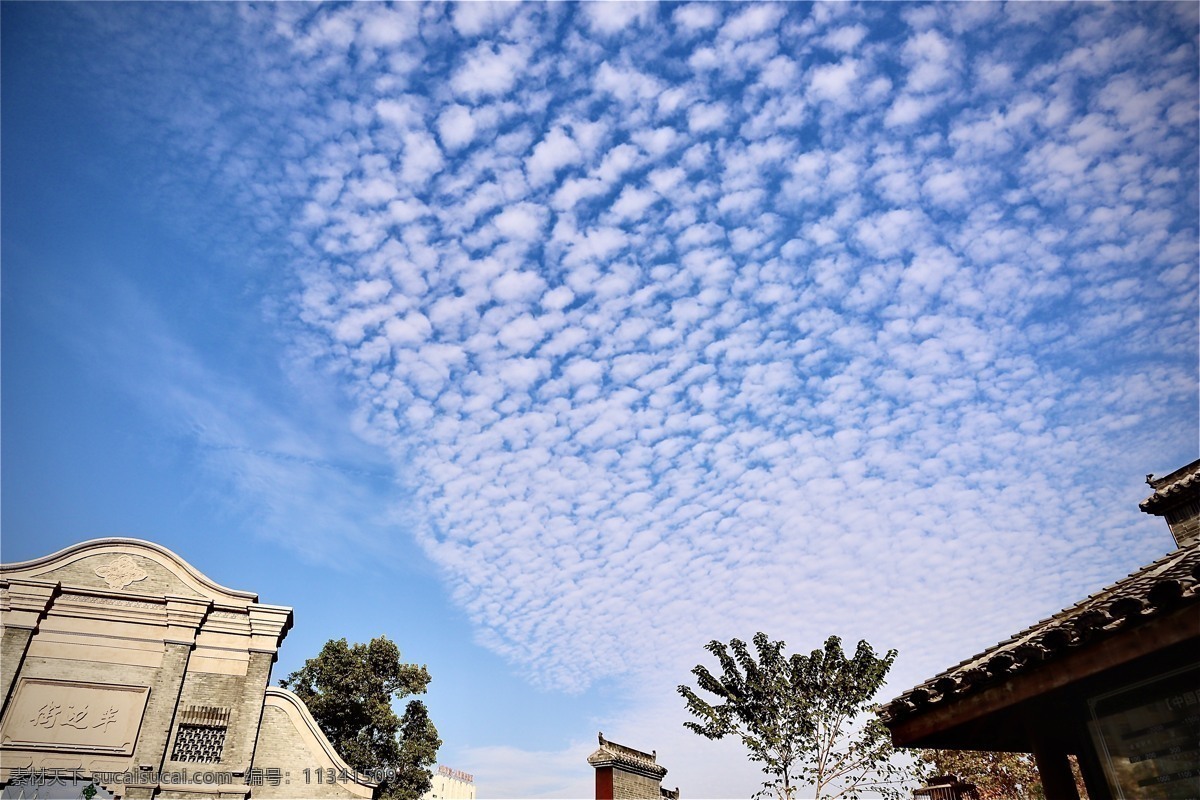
(160, 709)
(629, 786)
(248, 712)
(281, 746)
(13, 644)
(220, 691)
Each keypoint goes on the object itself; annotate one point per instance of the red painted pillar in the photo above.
(604, 783)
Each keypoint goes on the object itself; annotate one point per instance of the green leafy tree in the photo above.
(997, 776)
(807, 719)
(349, 690)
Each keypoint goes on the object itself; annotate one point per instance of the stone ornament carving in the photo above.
(227, 615)
(122, 572)
(119, 602)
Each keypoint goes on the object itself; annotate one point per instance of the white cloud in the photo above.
(456, 127)
(931, 61)
(751, 21)
(409, 330)
(612, 16)
(834, 82)
(555, 151)
(422, 158)
(480, 16)
(704, 117)
(948, 187)
(697, 16)
(633, 202)
(558, 298)
(489, 70)
(908, 109)
(387, 27)
(524, 221)
(627, 84)
(404, 112)
(517, 285)
(891, 233)
(845, 39)
(640, 330)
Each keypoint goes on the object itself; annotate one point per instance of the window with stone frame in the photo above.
(199, 743)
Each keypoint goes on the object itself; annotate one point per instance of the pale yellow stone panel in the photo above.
(73, 715)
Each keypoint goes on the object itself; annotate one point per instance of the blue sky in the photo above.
(553, 341)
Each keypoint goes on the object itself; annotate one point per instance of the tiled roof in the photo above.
(613, 754)
(1169, 488)
(1169, 583)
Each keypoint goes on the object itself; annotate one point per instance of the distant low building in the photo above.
(125, 666)
(451, 784)
(1114, 680)
(623, 773)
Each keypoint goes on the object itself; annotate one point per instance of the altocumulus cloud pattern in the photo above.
(684, 321)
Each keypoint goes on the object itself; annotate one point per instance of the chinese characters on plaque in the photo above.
(74, 715)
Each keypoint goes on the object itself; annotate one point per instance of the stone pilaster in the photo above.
(23, 605)
(243, 730)
(268, 625)
(184, 617)
(151, 749)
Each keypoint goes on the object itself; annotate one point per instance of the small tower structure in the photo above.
(623, 773)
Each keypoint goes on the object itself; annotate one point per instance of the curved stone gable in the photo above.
(288, 734)
(126, 565)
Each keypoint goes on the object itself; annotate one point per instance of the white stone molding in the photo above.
(23, 603)
(117, 571)
(185, 615)
(268, 625)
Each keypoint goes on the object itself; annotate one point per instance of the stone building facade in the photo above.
(451, 784)
(124, 666)
(623, 773)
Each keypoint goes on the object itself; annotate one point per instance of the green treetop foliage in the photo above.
(349, 691)
(997, 776)
(807, 719)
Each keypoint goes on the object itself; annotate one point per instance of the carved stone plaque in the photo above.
(74, 716)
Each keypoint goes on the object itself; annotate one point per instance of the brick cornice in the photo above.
(268, 625)
(185, 615)
(24, 603)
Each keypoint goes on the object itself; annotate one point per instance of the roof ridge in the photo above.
(1157, 587)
